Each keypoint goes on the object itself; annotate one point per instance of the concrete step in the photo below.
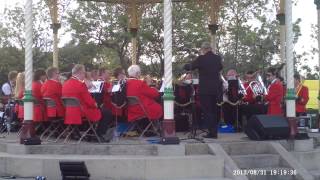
(246, 148)
(116, 167)
(256, 160)
(315, 174)
(271, 173)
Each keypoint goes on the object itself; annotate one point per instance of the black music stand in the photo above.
(194, 122)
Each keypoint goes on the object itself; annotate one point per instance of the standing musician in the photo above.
(302, 94)
(209, 65)
(275, 93)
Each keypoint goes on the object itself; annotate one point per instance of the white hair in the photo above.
(77, 68)
(134, 71)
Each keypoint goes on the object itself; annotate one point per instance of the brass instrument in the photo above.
(258, 87)
(242, 90)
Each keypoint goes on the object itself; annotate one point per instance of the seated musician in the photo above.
(248, 98)
(302, 93)
(39, 77)
(18, 94)
(104, 76)
(230, 107)
(183, 91)
(75, 87)
(52, 88)
(146, 94)
(7, 88)
(275, 93)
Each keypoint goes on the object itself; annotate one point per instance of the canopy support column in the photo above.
(27, 131)
(291, 95)
(134, 23)
(282, 20)
(317, 2)
(169, 130)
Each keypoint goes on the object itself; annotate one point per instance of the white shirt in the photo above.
(6, 89)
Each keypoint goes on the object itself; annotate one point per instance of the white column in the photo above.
(168, 112)
(28, 103)
(168, 122)
(318, 11)
(290, 103)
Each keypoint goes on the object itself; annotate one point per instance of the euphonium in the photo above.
(258, 87)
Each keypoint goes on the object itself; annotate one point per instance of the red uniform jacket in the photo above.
(107, 101)
(53, 89)
(39, 111)
(19, 107)
(303, 98)
(274, 98)
(147, 96)
(77, 89)
(249, 97)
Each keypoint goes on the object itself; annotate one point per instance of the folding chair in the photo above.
(56, 123)
(151, 127)
(73, 119)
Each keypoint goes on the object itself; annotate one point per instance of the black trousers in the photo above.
(229, 114)
(105, 122)
(210, 111)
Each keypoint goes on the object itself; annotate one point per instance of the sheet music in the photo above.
(97, 87)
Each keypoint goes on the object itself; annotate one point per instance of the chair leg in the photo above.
(58, 126)
(63, 132)
(146, 129)
(46, 130)
(91, 127)
(69, 134)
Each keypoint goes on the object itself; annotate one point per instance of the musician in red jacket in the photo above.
(75, 87)
(146, 94)
(302, 93)
(249, 96)
(275, 93)
(39, 78)
(52, 89)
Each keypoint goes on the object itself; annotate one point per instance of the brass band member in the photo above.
(302, 93)
(275, 93)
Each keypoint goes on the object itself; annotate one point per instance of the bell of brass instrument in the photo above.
(224, 83)
(265, 91)
(242, 90)
(258, 87)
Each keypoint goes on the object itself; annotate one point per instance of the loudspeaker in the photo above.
(264, 127)
(72, 170)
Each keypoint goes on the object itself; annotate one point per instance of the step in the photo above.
(315, 174)
(116, 167)
(271, 173)
(256, 160)
(246, 148)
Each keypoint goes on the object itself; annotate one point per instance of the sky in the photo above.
(304, 9)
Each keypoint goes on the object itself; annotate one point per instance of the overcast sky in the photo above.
(305, 9)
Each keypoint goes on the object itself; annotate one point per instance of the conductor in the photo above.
(209, 66)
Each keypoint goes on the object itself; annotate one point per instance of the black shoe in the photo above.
(210, 136)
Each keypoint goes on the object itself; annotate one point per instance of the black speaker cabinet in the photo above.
(264, 127)
(72, 170)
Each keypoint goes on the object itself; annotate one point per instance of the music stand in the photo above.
(194, 125)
